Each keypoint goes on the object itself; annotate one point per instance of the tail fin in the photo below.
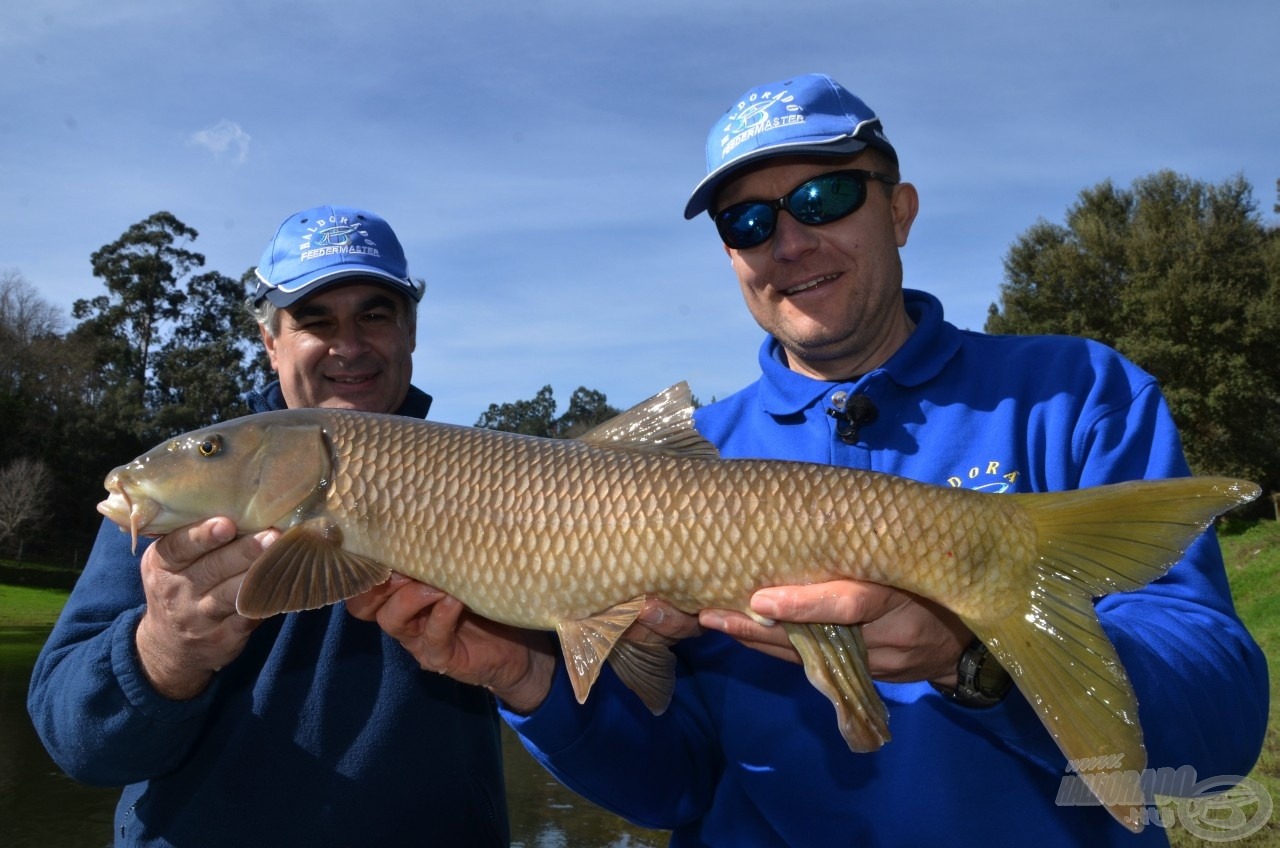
(1093, 542)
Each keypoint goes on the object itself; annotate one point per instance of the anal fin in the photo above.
(835, 661)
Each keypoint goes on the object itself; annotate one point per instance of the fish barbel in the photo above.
(573, 535)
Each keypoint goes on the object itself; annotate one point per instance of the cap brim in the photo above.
(284, 297)
(705, 192)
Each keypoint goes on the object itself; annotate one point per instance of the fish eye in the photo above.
(210, 446)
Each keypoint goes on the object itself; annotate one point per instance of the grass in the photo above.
(23, 606)
(1252, 555)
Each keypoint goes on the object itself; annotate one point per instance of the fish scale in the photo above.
(573, 536)
(578, 525)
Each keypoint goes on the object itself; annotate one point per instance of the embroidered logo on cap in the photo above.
(760, 113)
(336, 235)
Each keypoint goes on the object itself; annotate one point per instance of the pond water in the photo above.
(41, 807)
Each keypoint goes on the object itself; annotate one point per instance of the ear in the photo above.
(270, 344)
(904, 206)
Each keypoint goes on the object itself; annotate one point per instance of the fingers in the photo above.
(769, 639)
(908, 638)
(660, 622)
(178, 550)
(366, 605)
(835, 602)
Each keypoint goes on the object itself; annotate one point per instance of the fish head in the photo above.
(259, 471)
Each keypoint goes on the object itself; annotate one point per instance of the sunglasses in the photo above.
(821, 200)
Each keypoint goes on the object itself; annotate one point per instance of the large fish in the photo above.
(572, 535)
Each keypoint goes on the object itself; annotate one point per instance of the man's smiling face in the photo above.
(349, 347)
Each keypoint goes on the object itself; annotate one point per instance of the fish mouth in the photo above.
(130, 513)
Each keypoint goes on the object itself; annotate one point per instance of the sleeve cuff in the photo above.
(133, 682)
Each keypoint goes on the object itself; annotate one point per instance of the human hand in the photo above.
(191, 628)
(445, 637)
(908, 638)
(660, 623)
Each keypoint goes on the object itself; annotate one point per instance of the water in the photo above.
(40, 807)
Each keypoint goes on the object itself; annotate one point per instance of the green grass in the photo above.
(1252, 556)
(22, 606)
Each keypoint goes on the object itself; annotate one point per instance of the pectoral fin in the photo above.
(587, 643)
(835, 661)
(306, 568)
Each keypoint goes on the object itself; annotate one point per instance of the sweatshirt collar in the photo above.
(921, 358)
(269, 398)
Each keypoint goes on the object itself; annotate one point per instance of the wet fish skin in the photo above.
(572, 535)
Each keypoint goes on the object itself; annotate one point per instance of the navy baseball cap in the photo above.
(318, 247)
(802, 116)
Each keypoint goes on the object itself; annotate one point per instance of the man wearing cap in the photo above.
(805, 193)
(311, 728)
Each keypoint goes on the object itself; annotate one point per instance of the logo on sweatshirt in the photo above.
(992, 477)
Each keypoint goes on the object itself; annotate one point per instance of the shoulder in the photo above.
(715, 420)
(1054, 360)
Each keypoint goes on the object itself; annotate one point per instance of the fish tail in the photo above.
(1092, 542)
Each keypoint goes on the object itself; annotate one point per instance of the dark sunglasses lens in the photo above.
(746, 225)
(827, 198)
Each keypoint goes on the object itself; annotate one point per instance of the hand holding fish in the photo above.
(908, 637)
(191, 628)
(443, 636)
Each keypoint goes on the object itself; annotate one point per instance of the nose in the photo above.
(349, 341)
(792, 239)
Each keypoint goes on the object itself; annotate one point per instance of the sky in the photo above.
(535, 157)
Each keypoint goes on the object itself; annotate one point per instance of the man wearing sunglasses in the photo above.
(805, 192)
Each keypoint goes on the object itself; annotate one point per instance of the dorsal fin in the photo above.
(661, 424)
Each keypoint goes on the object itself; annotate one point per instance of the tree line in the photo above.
(1180, 275)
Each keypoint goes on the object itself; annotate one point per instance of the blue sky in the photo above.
(535, 157)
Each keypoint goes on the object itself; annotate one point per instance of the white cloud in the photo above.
(221, 137)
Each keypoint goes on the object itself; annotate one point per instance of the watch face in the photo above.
(992, 680)
(981, 680)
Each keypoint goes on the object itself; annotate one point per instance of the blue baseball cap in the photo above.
(316, 248)
(802, 116)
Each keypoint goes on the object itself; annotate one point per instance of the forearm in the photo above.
(98, 715)
(1200, 678)
(588, 746)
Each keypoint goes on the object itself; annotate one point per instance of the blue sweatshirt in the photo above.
(749, 753)
(323, 732)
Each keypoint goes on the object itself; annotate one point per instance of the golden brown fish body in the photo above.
(573, 535)
(532, 532)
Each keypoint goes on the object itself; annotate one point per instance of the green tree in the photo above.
(171, 348)
(1179, 275)
(212, 356)
(141, 271)
(536, 417)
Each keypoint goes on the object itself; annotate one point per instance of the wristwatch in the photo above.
(980, 679)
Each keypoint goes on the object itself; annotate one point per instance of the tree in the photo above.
(172, 349)
(535, 417)
(203, 369)
(1181, 277)
(25, 485)
(141, 270)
